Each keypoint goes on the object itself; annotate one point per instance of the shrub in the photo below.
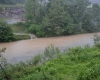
(97, 45)
(3, 61)
(36, 60)
(6, 34)
(3, 65)
(36, 29)
(51, 52)
(92, 73)
(76, 64)
(33, 28)
(96, 38)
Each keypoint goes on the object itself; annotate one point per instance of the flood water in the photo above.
(25, 49)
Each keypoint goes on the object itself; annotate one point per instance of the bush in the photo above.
(36, 60)
(36, 29)
(96, 38)
(76, 64)
(33, 28)
(51, 52)
(3, 61)
(6, 34)
(97, 41)
(92, 73)
(97, 45)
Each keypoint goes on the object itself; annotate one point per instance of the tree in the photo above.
(62, 17)
(77, 10)
(91, 21)
(6, 33)
(42, 10)
(87, 23)
(32, 11)
(96, 15)
(56, 20)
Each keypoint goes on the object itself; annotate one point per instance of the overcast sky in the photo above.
(95, 1)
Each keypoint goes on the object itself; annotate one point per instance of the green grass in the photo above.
(18, 29)
(75, 64)
(21, 37)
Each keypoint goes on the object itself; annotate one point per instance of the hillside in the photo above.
(13, 2)
(95, 1)
(75, 64)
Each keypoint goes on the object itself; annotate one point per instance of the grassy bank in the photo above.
(18, 29)
(75, 64)
(21, 37)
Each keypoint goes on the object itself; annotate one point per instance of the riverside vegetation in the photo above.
(55, 18)
(74, 64)
(6, 33)
(59, 17)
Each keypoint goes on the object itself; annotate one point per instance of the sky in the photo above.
(95, 1)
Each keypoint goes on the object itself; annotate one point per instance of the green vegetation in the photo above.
(61, 17)
(75, 64)
(3, 61)
(96, 38)
(6, 34)
(18, 27)
(21, 37)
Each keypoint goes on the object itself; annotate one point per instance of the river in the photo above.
(25, 49)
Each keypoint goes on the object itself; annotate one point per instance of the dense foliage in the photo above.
(75, 64)
(62, 17)
(6, 34)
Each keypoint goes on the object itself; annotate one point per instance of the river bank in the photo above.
(25, 49)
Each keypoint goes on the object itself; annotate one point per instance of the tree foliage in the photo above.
(57, 19)
(32, 11)
(63, 17)
(6, 33)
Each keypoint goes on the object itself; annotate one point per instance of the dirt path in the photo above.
(26, 49)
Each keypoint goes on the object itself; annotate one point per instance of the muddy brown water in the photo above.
(25, 49)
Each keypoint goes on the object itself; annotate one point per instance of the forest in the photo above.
(61, 17)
